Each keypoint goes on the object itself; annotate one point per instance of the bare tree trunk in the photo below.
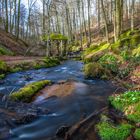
(119, 16)
(132, 14)
(6, 23)
(89, 31)
(18, 19)
(105, 21)
(83, 13)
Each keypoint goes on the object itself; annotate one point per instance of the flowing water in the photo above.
(88, 96)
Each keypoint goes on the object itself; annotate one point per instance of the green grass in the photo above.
(128, 103)
(108, 131)
(26, 93)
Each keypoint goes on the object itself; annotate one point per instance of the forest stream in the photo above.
(83, 97)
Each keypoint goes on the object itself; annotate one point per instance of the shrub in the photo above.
(26, 93)
(108, 131)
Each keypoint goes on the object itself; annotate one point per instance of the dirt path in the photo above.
(18, 59)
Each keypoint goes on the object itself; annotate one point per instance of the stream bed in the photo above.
(87, 97)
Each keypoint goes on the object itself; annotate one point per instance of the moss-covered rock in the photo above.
(94, 70)
(26, 93)
(108, 131)
(95, 52)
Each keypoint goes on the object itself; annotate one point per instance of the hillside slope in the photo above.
(9, 41)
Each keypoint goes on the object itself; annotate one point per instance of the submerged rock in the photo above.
(62, 131)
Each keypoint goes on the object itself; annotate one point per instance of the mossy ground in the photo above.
(26, 93)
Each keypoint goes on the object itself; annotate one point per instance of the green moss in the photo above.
(93, 70)
(95, 49)
(95, 52)
(108, 131)
(90, 49)
(2, 76)
(129, 103)
(137, 134)
(26, 93)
